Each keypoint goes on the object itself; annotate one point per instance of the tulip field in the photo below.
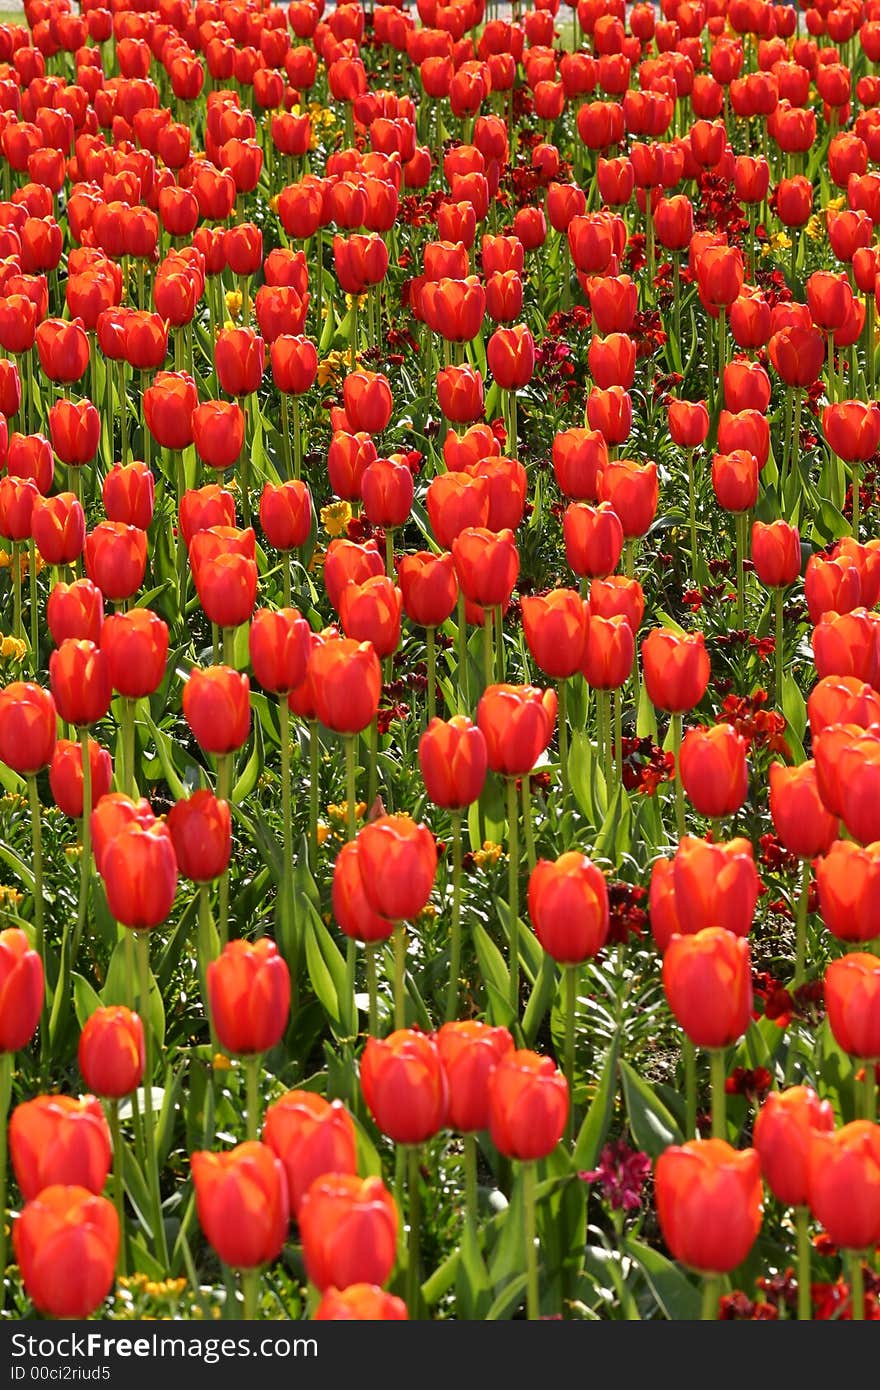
(439, 660)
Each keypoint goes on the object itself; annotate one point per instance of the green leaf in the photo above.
(540, 1000)
(652, 1124)
(18, 866)
(495, 974)
(85, 1000)
(594, 1128)
(676, 1296)
(473, 1287)
(580, 758)
(613, 840)
(508, 1300)
(252, 769)
(328, 973)
(165, 748)
(794, 706)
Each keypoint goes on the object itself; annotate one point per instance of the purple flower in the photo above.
(621, 1174)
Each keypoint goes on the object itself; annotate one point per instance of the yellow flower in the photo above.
(335, 518)
(273, 203)
(12, 648)
(835, 204)
(780, 241)
(350, 298)
(815, 228)
(233, 302)
(329, 367)
(221, 1062)
(489, 854)
(323, 832)
(5, 559)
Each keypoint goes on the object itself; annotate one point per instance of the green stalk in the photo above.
(5, 1098)
(741, 522)
(570, 974)
(679, 785)
(689, 1056)
(252, 1089)
(779, 647)
(373, 989)
(431, 644)
(461, 635)
(857, 1285)
(118, 1182)
(314, 754)
(250, 1288)
(530, 1230)
(692, 509)
(159, 1243)
(526, 797)
(562, 688)
(470, 1180)
(34, 606)
(350, 789)
(488, 652)
(39, 918)
(287, 894)
(373, 769)
(389, 552)
(801, 925)
(399, 975)
(617, 698)
(711, 1289)
(856, 476)
(128, 759)
(513, 892)
(16, 592)
(870, 1092)
(85, 863)
(224, 793)
(455, 928)
(412, 1264)
(802, 1227)
(719, 1096)
(205, 953)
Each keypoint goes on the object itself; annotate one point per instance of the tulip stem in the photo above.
(617, 698)
(39, 918)
(802, 1227)
(252, 1092)
(314, 755)
(526, 794)
(455, 928)
(399, 975)
(16, 591)
(287, 895)
(801, 925)
(741, 521)
(372, 989)
(123, 414)
(142, 945)
(470, 1180)
(118, 1182)
(297, 438)
(488, 653)
(870, 1092)
(412, 1261)
(855, 500)
(35, 607)
(513, 892)
(389, 551)
(250, 1287)
(603, 704)
(85, 863)
(719, 1095)
(205, 953)
(431, 644)
(857, 1285)
(461, 633)
(373, 771)
(570, 973)
(5, 1098)
(562, 688)
(689, 1057)
(711, 1286)
(350, 791)
(224, 792)
(530, 1229)
(128, 771)
(679, 785)
(779, 647)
